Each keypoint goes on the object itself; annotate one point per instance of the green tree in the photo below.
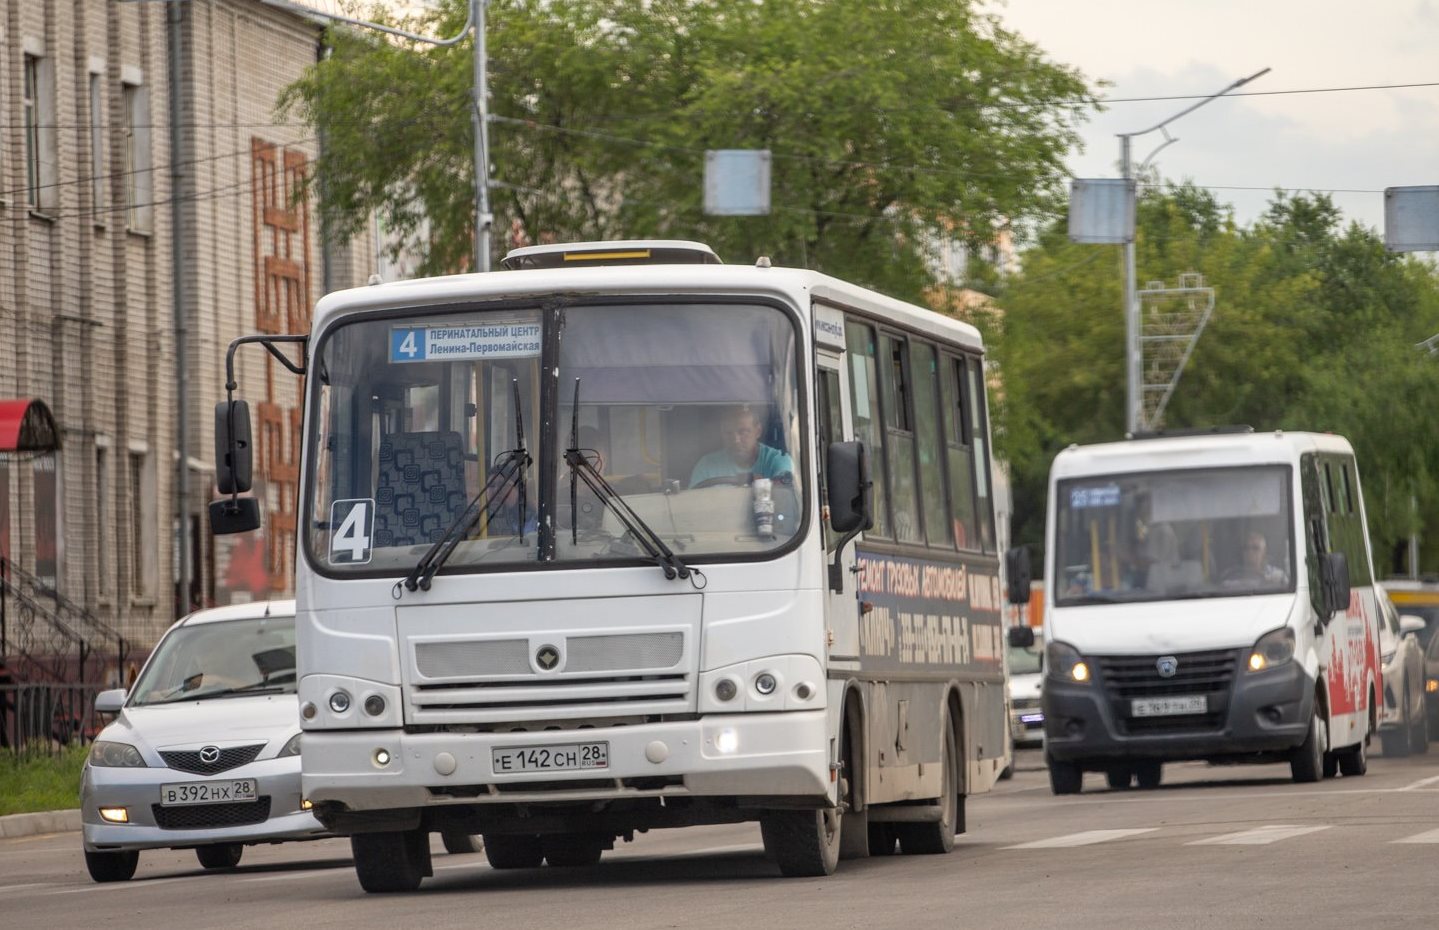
(892, 123)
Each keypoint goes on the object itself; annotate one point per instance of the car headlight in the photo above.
(292, 748)
(116, 755)
(1274, 648)
(1064, 663)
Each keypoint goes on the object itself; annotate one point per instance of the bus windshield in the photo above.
(677, 406)
(1167, 535)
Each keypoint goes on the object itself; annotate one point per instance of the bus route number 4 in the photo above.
(353, 523)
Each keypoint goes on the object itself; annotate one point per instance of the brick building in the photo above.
(89, 198)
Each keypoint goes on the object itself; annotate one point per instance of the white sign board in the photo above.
(737, 182)
(1101, 210)
(1411, 219)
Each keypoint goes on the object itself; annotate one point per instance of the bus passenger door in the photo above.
(833, 418)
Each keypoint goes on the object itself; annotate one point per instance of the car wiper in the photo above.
(1082, 599)
(243, 691)
(582, 469)
(509, 472)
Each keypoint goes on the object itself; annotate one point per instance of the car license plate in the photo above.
(565, 757)
(208, 792)
(1169, 707)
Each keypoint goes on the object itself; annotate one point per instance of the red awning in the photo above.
(27, 426)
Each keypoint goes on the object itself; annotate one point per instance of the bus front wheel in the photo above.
(389, 862)
(805, 844)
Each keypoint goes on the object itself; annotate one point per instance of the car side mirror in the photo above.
(233, 453)
(1021, 637)
(1408, 623)
(110, 702)
(1334, 583)
(1017, 574)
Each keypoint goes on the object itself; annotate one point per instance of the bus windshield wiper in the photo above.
(582, 469)
(509, 472)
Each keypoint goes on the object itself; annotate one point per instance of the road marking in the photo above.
(8, 888)
(1429, 836)
(285, 877)
(1259, 836)
(120, 886)
(1421, 783)
(1087, 838)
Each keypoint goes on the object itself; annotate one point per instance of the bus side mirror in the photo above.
(1334, 582)
(850, 490)
(1017, 574)
(233, 454)
(234, 515)
(1021, 637)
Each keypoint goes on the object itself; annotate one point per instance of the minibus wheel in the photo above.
(1119, 778)
(1149, 774)
(459, 842)
(1064, 777)
(1309, 761)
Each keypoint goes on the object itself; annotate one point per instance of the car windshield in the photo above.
(1025, 660)
(677, 407)
(1169, 535)
(220, 659)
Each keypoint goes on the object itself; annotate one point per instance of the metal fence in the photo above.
(46, 718)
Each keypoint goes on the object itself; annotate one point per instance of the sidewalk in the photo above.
(17, 825)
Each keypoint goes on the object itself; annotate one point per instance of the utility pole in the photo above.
(479, 92)
(1133, 359)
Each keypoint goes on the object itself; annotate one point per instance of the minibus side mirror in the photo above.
(1021, 637)
(234, 515)
(1334, 580)
(110, 702)
(233, 454)
(850, 490)
(1017, 574)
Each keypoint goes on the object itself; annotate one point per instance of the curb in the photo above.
(17, 825)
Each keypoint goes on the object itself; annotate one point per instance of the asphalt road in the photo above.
(1213, 847)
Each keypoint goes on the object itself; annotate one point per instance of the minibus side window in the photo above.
(1315, 542)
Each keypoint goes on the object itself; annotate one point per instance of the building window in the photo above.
(142, 525)
(38, 116)
(102, 511)
(97, 145)
(138, 183)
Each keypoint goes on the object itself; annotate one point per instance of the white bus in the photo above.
(1208, 597)
(589, 547)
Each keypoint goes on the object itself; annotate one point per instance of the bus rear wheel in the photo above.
(389, 862)
(937, 837)
(514, 850)
(572, 850)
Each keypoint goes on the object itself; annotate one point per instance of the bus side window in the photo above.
(980, 421)
(864, 389)
(899, 438)
(959, 451)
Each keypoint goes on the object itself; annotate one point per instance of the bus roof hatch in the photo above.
(622, 252)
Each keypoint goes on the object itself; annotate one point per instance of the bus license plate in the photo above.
(565, 757)
(208, 792)
(1170, 706)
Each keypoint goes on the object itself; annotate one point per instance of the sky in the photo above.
(1360, 141)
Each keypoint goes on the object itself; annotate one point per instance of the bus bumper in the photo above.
(760, 754)
(1266, 713)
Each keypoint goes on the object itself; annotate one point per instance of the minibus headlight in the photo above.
(1274, 648)
(1065, 663)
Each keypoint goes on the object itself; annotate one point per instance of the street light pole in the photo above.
(479, 111)
(1133, 357)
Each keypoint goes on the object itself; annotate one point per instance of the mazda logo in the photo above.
(547, 657)
(210, 755)
(1167, 666)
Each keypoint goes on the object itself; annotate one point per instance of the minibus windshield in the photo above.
(1169, 535)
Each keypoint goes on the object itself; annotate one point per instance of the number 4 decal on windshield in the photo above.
(353, 525)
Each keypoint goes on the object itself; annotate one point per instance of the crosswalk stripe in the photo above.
(1087, 838)
(1259, 836)
(1428, 836)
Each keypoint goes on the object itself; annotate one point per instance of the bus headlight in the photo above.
(1065, 663)
(1273, 648)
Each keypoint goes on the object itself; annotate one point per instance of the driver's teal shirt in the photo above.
(768, 463)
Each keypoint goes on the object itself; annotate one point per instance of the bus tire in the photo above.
(1065, 777)
(882, 839)
(805, 844)
(1308, 761)
(458, 842)
(937, 838)
(572, 850)
(514, 851)
(111, 866)
(390, 862)
(854, 838)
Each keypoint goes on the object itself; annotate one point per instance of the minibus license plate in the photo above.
(208, 792)
(564, 757)
(1169, 706)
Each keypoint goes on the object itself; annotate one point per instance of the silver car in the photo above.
(205, 751)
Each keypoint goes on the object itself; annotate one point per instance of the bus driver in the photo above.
(743, 457)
